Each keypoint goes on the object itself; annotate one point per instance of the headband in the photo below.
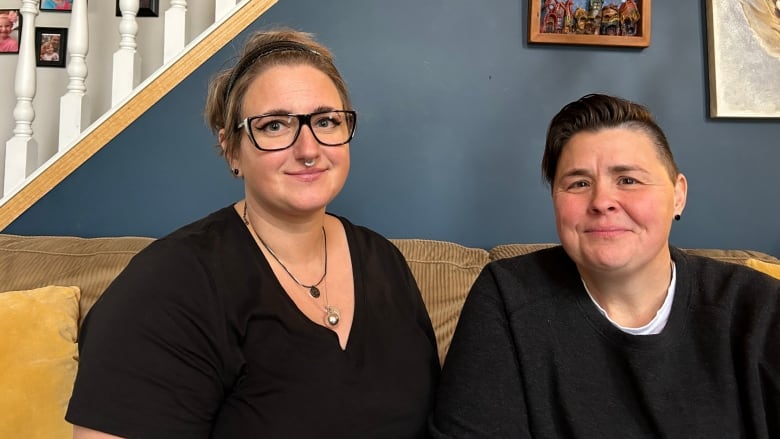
(264, 50)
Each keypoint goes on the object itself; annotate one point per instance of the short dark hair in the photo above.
(594, 112)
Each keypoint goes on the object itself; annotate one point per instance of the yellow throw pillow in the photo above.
(764, 267)
(38, 361)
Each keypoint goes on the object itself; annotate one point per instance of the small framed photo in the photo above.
(57, 5)
(10, 28)
(51, 46)
(624, 23)
(146, 8)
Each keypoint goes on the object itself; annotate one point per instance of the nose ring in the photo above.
(308, 163)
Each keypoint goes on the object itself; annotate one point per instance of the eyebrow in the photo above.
(617, 169)
(281, 111)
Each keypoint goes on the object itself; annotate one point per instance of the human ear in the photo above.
(680, 194)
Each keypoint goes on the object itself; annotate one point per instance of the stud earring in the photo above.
(677, 217)
(235, 172)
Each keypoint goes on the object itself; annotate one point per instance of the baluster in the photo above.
(21, 152)
(127, 62)
(175, 29)
(222, 7)
(73, 111)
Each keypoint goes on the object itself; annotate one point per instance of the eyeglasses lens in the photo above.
(330, 128)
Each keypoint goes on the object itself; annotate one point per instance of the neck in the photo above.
(631, 300)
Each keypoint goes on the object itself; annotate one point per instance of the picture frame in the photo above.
(56, 5)
(743, 57)
(10, 29)
(582, 22)
(146, 8)
(51, 45)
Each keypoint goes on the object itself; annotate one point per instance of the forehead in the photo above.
(608, 145)
(289, 87)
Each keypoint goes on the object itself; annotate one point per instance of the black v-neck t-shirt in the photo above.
(197, 338)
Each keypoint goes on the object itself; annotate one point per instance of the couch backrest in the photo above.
(28, 262)
(444, 271)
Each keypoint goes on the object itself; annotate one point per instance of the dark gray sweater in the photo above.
(533, 358)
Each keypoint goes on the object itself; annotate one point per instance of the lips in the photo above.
(308, 174)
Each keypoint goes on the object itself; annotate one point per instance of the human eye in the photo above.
(575, 185)
(329, 120)
(627, 180)
(272, 126)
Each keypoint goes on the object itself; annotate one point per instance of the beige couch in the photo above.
(40, 312)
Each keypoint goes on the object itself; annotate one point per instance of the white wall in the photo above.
(103, 42)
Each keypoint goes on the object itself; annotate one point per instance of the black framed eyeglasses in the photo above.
(273, 132)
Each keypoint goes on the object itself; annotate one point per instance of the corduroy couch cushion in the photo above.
(28, 262)
(444, 272)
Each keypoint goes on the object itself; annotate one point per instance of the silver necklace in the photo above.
(332, 314)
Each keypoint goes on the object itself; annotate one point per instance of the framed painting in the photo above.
(50, 46)
(743, 45)
(146, 8)
(57, 5)
(623, 23)
(10, 28)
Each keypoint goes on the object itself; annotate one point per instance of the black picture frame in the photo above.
(146, 8)
(56, 5)
(15, 18)
(54, 38)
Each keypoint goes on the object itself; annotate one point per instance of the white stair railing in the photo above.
(127, 61)
(73, 114)
(175, 29)
(21, 152)
(25, 176)
(221, 7)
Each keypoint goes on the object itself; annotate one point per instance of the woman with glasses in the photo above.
(270, 317)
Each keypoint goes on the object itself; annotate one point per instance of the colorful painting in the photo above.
(744, 57)
(598, 22)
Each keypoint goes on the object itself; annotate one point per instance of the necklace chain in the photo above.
(331, 312)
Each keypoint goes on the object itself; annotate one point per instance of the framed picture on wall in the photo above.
(623, 23)
(50, 46)
(57, 5)
(10, 28)
(146, 8)
(743, 41)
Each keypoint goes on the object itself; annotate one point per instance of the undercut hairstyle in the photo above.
(595, 112)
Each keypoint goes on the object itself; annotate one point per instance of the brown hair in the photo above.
(595, 112)
(263, 50)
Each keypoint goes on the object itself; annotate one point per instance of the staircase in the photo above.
(25, 177)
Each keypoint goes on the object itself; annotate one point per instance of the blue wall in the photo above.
(453, 107)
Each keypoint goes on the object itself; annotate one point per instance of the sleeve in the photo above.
(150, 350)
(480, 393)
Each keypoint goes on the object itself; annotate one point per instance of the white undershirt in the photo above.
(658, 323)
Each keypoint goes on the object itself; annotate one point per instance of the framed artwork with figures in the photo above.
(624, 23)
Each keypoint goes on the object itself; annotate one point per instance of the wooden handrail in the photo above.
(106, 128)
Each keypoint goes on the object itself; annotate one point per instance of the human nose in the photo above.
(306, 145)
(602, 199)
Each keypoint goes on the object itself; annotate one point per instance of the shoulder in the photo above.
(364, 240)
(544, 275)
(721, 283)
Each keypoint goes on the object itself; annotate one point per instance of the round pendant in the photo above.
(314, 291)
(332, 315)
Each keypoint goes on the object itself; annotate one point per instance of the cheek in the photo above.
(568, 209)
